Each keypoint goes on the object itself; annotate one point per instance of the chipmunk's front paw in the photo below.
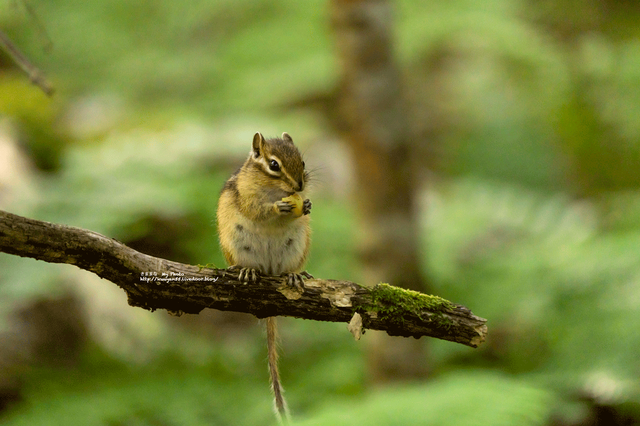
(297, 279)
(306, 206)
(246, 274)
(284, 206)
(292, 204)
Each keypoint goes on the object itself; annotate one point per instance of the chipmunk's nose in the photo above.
(300, 185)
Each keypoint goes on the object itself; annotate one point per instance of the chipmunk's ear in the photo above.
(258, 143)
(286, 137)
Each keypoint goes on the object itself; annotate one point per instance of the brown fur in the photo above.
(257, 230)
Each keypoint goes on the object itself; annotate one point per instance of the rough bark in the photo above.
(154, 283)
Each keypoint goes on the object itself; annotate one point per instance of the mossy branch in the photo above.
(153, 283)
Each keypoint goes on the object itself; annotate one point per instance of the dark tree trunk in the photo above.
(374, 116)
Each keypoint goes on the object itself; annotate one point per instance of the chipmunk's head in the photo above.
(280, 160)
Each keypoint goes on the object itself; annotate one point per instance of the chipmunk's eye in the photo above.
(274, 166)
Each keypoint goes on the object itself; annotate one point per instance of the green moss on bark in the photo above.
(393, 303)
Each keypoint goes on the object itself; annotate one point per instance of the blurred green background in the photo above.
(530, 208)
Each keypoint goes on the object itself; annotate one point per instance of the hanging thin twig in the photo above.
(36, 76)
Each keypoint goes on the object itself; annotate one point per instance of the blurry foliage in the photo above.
(169, 393)
(35, 116)
(504, 100)
(468, 398)
(542, 270)
(208, 57)
(530, 114)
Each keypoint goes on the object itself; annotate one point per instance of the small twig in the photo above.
(47, 44)
(154, 283)
(36, 76)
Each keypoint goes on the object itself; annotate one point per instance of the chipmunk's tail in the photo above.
(280, 405)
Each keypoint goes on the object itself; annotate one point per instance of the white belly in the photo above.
(273, 250)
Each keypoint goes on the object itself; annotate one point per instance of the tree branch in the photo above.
(153, 283)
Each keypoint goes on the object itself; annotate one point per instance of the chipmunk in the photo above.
(263, 226)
